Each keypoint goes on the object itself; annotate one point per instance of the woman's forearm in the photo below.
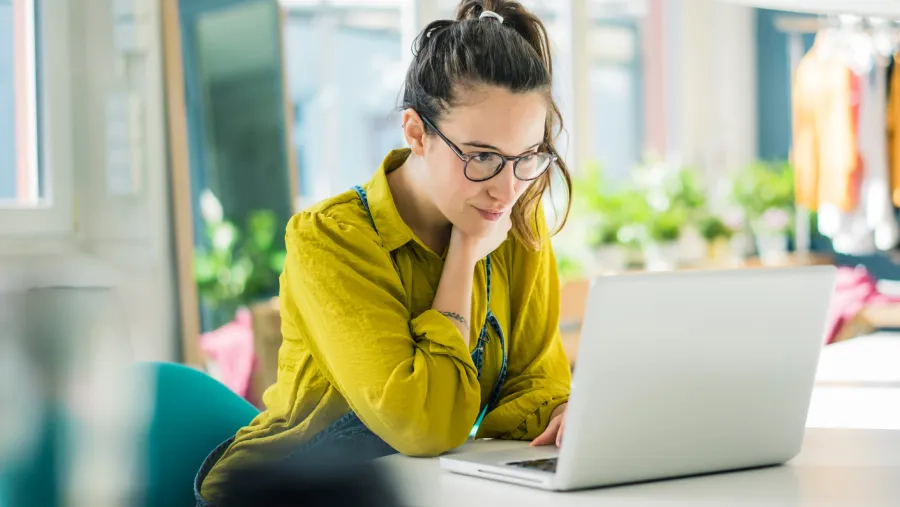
(454, 293)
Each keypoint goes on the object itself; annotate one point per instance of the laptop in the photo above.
(680, 374)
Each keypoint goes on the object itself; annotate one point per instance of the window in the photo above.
(336, 102)
(545, 9)
(616, 101)
(20, 183)
(35, 78)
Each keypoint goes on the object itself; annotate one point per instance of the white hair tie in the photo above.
(491, 14)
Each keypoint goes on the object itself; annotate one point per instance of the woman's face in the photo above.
(489, 119)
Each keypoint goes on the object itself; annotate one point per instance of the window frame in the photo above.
(52, 217)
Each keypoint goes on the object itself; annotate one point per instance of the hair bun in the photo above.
(491, 15)
(473, 9)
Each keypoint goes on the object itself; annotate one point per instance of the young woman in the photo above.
(423, 307)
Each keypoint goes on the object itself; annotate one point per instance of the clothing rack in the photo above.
(795, 27)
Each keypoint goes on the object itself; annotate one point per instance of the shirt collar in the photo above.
(391, 228)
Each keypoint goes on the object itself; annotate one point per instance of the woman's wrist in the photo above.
(463, 252)
(559, 410)
(453, 298)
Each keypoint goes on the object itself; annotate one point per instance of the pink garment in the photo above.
(854, 290)
(231, 347)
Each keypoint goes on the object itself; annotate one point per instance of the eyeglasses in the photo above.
(482, 166)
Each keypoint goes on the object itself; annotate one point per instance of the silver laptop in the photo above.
(681, 374)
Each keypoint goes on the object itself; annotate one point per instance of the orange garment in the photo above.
(825, 155)
(893, 128)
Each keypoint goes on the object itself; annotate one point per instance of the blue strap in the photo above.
(490, 321)
(365, 202)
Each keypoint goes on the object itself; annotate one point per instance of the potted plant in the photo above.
(741, 243)
(603, 205)
(235, 268)
(765, 190)
(609, 252)
(717, 235)
(670, 187)
(664, 228)
(635, 212)
(686, 191)
(771, 232)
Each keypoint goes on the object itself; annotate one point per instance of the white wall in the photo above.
(711, 84)
(123, 241)
(130, 234)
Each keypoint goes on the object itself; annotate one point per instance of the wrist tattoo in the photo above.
(457, 317)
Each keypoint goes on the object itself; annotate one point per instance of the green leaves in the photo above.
(236, 267)
(261, 227)
(713, 228)
(611, 207)
(655, 206)
(765, 191)
(762, 186)
(665, 226)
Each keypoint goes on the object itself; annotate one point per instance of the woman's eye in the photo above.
(484, 157)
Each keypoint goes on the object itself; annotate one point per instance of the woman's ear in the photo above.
(414, 131)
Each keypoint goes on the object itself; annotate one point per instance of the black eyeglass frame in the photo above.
(466, 157)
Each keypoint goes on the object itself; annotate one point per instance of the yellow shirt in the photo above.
(360, 334)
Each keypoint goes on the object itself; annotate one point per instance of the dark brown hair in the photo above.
(455, 55)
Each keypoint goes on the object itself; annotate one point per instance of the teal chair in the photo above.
(193, 413)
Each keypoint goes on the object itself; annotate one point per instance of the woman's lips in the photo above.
(491, 215)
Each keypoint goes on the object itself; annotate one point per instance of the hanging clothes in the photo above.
(825, 154)
(841, 147)
(893, 128)
(875, 197)
(848, 228)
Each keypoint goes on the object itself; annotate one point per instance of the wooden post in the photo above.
(291, 150)
(180, 180)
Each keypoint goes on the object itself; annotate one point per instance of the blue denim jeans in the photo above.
(345, 439)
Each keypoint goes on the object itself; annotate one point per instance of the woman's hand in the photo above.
(478, 247)
(554, 432)
(453, 298)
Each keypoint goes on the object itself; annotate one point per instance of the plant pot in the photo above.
(662, 256)
(692, 247)
(772, 249)
(634, 256)
(611, 258)
(720, 253)
(741, 245)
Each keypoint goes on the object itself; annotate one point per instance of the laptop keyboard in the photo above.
(544, 465)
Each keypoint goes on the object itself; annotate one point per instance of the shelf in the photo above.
(873, 8)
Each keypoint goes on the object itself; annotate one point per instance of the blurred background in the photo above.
(152, 151)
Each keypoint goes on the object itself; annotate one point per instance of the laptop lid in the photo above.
(691, 372)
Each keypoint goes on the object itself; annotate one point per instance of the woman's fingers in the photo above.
(562, 428)
(549, 436)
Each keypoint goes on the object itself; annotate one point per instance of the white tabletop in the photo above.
(858, 384)
(838, 467)
(857, 465)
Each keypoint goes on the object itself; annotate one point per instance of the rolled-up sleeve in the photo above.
(410, 379)
(539, 377)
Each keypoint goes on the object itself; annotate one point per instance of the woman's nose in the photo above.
(505, 185)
